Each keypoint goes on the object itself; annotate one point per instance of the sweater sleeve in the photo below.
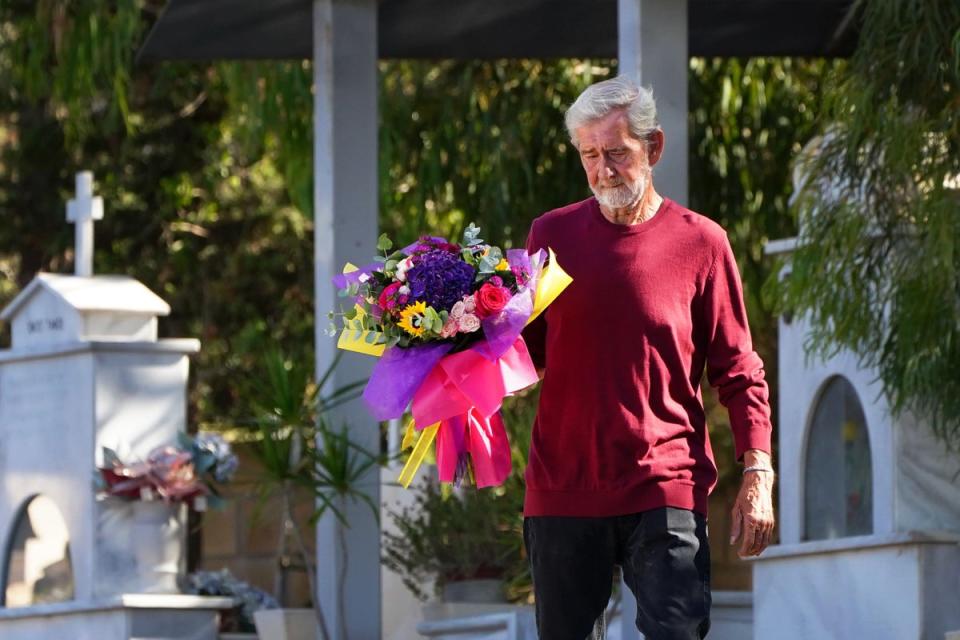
(535, 333)
(733, 367)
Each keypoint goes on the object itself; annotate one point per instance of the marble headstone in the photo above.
(86, 371)
(887, 568)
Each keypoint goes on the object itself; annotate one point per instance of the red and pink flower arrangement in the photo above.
(189, 473)
(445, 320)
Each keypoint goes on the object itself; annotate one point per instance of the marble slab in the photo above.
(515, 625)
(888, 591)
(124, 617)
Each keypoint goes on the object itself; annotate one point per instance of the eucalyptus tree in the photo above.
(214, 235)
(878, 267)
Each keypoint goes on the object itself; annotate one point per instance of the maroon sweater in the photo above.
(621, 426)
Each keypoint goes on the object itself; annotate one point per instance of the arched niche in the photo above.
(36, 564)
(837, 467)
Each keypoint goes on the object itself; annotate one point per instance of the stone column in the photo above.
(652, 48)
(345, 229)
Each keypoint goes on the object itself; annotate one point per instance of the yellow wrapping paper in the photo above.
(553, 280)
(420, 451)
(348, 342)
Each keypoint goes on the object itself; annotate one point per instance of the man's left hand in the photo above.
(752, 515)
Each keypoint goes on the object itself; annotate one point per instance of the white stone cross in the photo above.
(82, 211)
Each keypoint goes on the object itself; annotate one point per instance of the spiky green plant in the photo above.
(299, 450)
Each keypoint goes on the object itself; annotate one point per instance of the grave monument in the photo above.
(869, 512)
(86, 371)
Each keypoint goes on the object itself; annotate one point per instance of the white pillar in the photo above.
(652, 48)
(345, 229)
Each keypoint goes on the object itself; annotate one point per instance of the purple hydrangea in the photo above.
(440, 279)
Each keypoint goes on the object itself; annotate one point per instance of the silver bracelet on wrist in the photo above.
(758, 468)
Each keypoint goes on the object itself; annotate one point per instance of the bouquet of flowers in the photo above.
(187, 473)
(445, 320)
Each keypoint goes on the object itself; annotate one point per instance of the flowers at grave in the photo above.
(247, 597)
(212, 455)
(189, 472)
(445, 320)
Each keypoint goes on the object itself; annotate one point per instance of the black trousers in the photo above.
(665, 558)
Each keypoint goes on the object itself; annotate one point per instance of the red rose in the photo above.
(491, 300)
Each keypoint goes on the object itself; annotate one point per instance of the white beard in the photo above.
(623, 195)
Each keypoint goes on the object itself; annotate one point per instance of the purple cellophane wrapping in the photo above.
(397, 376)
(343, 280)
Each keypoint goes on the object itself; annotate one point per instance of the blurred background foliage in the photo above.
(206, 174)
(877, 271)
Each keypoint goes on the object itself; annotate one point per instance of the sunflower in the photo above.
(411, 318)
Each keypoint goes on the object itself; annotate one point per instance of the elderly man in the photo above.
(620, 461)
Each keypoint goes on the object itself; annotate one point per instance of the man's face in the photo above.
(617, 165)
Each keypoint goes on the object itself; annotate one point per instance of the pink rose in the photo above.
(458, 310)
(468, 323)
(491, 300)
(469, 304)
(450, 329)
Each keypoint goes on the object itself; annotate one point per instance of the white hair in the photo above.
(601, 98)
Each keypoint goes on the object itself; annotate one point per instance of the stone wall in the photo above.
(244, 536)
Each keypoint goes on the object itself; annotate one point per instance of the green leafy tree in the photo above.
(61, 74)
(459, 142)
(748, 120)
(213, 234)
(877, 271)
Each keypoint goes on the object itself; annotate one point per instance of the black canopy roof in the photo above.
(483, 29)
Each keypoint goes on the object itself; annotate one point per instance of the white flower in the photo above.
(402, 267)
(404, 290)
(363, 277)
(468, 323)
(458, 309)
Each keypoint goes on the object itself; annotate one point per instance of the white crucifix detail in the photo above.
(82, 211)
